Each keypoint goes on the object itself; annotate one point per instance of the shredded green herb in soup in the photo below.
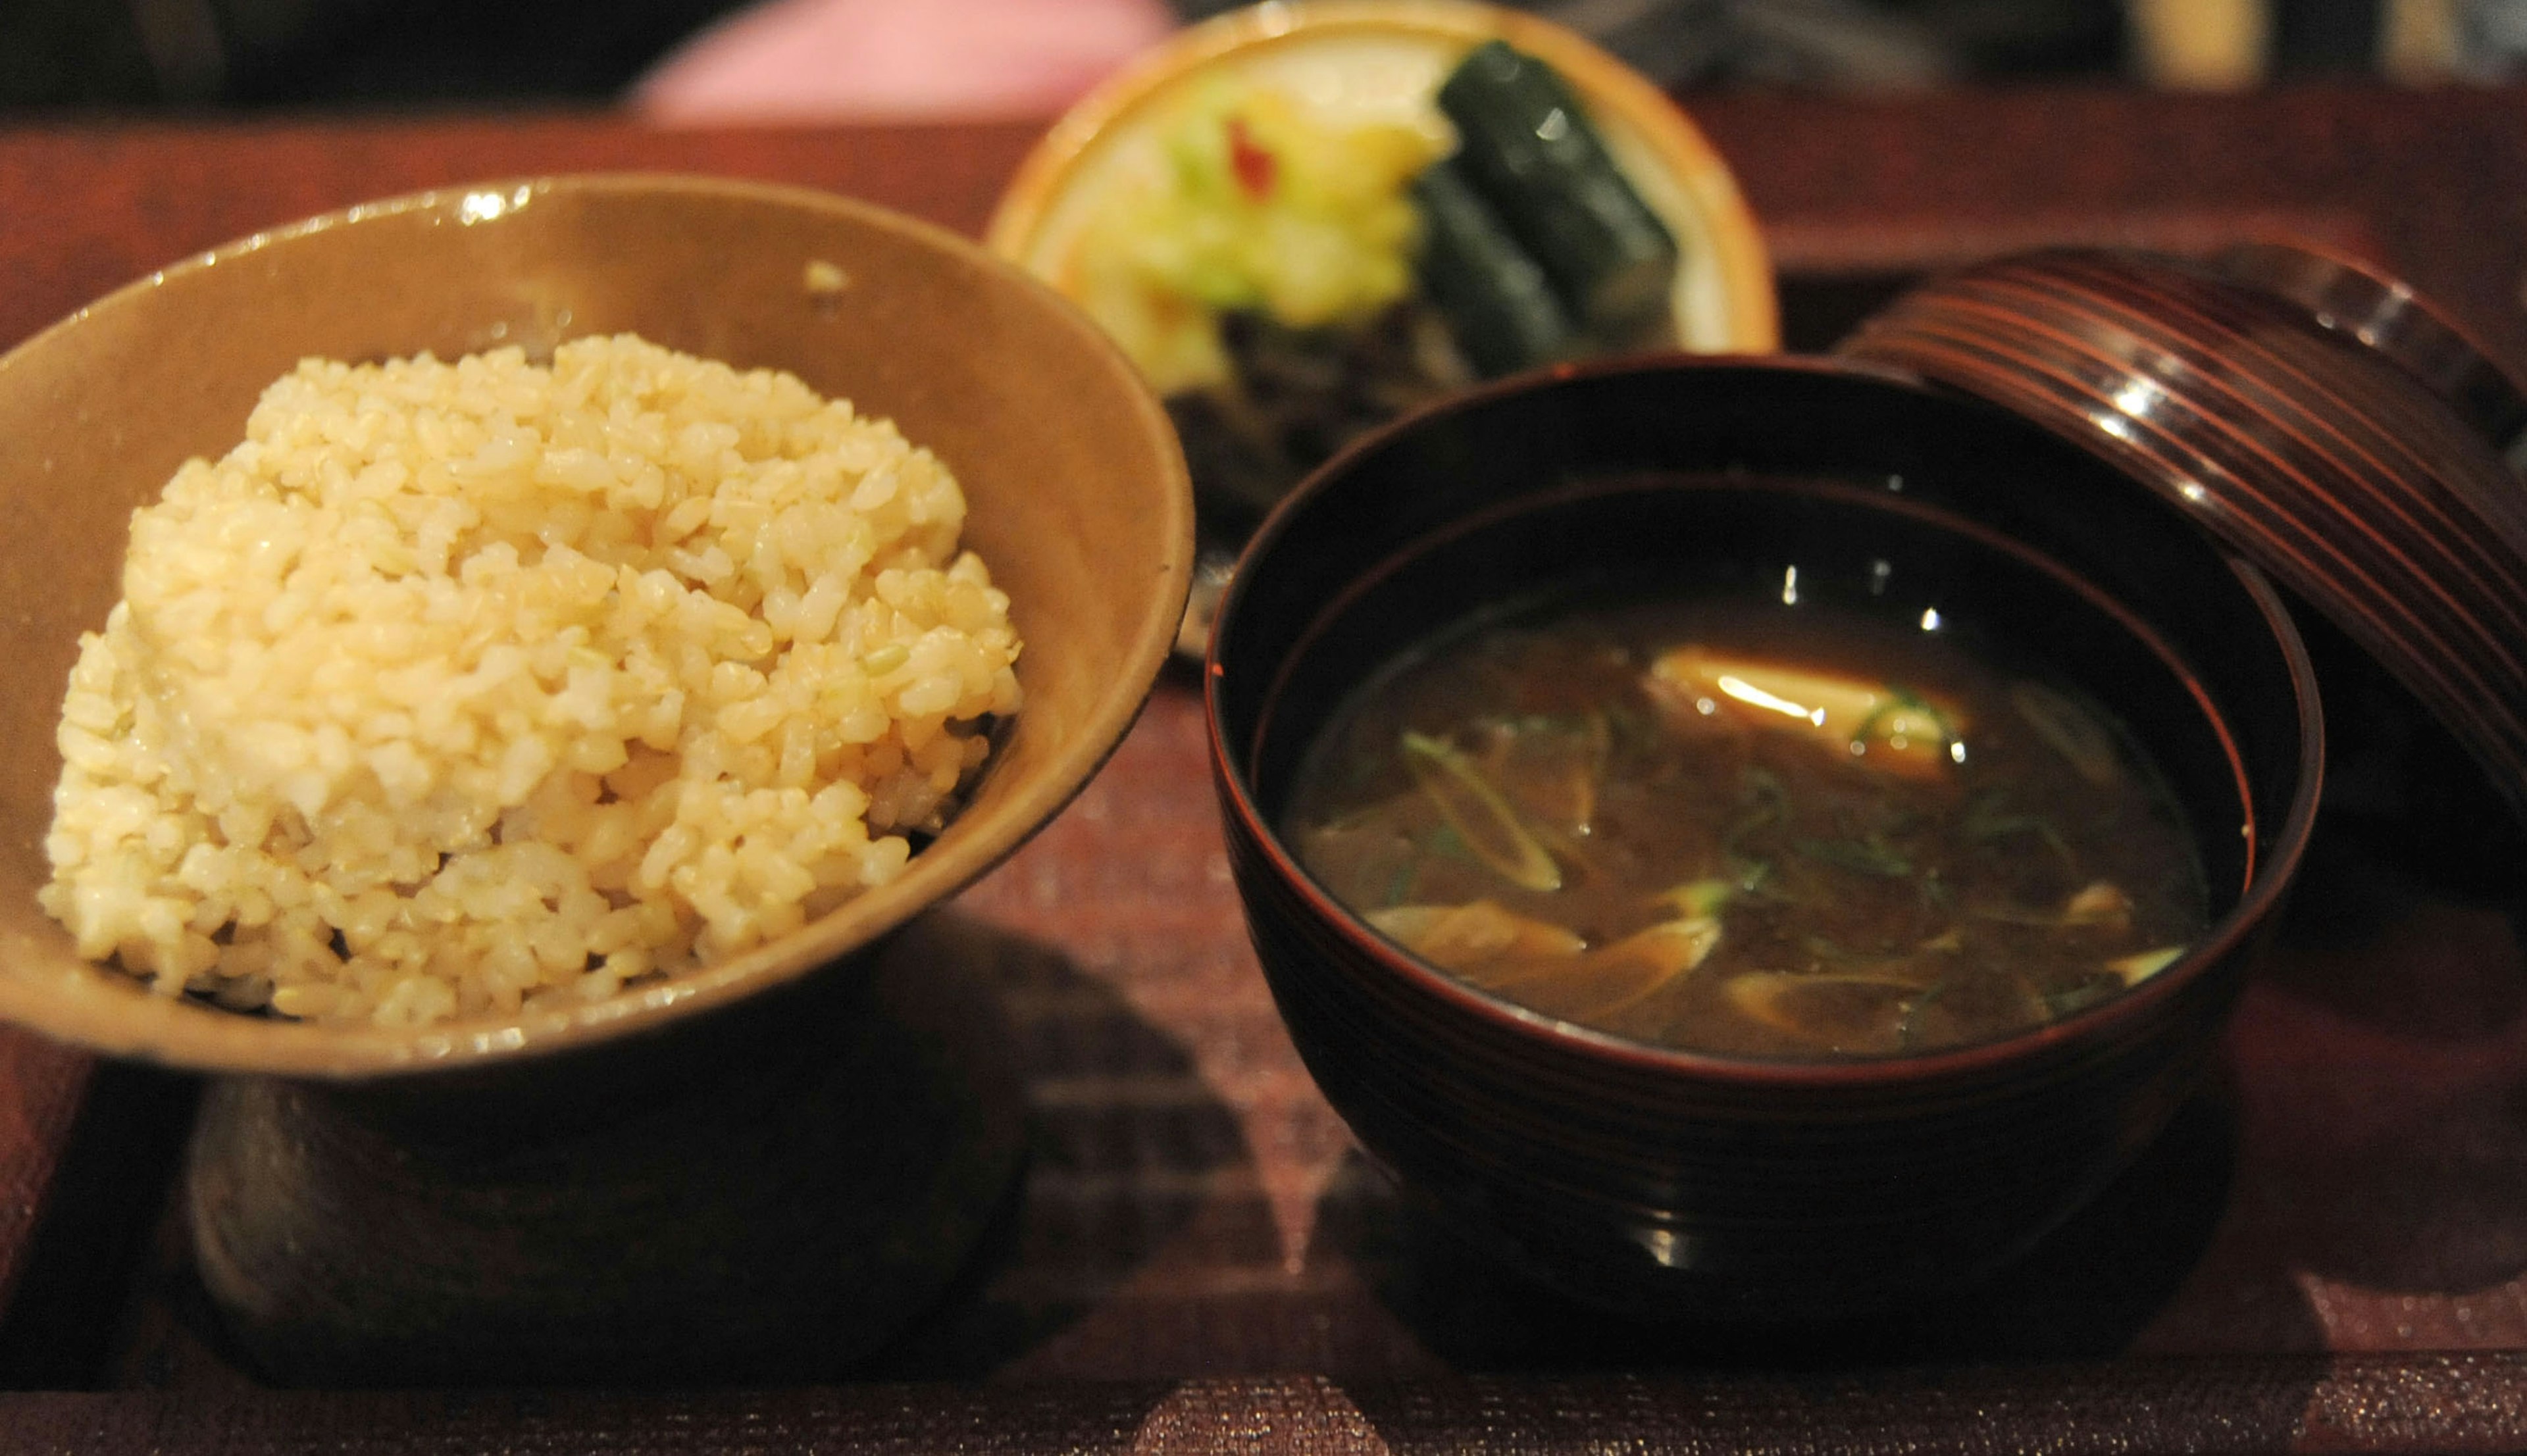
(1750, 830)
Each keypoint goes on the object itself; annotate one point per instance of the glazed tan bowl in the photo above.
(1382, 60)
(1079, 505)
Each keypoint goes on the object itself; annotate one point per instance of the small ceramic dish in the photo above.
(1357, 64)
(1383, 60)
(582, 1191)
(1674, 1184)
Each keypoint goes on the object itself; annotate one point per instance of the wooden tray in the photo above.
(2329, 1251)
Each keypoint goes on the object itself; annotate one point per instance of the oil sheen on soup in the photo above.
(1749, 830)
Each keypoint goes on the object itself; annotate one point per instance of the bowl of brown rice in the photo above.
(514, 617)
(502, 675)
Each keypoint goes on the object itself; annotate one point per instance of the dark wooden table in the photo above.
(2327, 1252)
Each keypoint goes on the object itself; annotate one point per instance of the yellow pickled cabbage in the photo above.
(1260, 203)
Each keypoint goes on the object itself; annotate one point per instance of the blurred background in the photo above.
(722, 61)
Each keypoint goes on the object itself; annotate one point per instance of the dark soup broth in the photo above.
(1749, 829)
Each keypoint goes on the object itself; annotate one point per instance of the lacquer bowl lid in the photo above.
(2316, 415)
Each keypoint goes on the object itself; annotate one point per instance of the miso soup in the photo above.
(1747, 830)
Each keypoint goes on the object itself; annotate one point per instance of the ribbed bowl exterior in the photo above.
(2357, 457)
(1631, 1184)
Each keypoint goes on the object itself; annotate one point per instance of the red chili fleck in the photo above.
(1252, 166)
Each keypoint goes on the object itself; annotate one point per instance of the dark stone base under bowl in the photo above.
(769, 1207)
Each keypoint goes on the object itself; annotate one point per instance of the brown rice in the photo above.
(459, 685)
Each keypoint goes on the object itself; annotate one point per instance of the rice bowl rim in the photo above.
(106, 1011)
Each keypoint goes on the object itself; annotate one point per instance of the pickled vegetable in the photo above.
(1529, 148)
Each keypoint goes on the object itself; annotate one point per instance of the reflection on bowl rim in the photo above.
(2438, 348)
(1744, 272)
(2249, 914)
(92, 1009)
